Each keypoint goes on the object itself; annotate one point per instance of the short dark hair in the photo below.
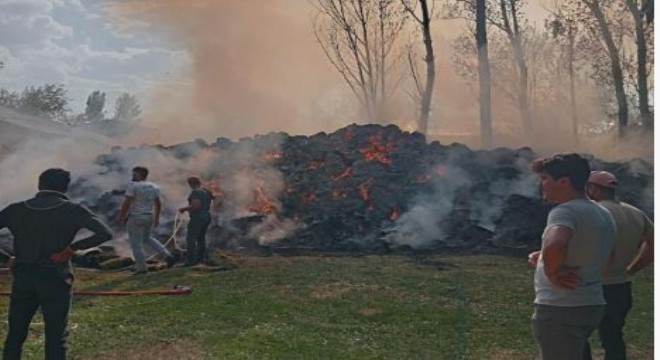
(194, 180)
(142, 171)
(55, 179)
(570, 165)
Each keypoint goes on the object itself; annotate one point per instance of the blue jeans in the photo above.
(139, 234)
(561, 332)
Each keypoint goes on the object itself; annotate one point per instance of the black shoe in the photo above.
(171, 260)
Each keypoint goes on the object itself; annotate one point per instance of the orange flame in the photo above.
(214, 187)
(439, 171)
(262, 203)
(315, 164)
(346, 173)
(395, 214)
(338, 194)
(364, 191)
(377, 151)
(309, 197)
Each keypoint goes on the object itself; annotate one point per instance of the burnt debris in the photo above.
(361, 189)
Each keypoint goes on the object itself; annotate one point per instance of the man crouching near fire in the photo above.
(43, 228)
(576, 245)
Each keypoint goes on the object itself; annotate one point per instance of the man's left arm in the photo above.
(157, 208)
(554, 254)
(100, 234)
(123, 210)
(645, 254)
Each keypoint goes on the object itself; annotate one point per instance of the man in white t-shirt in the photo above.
(140, 211)
(576, 245)
(633, 251)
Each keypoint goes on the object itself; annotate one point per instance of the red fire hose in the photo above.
(177, 290)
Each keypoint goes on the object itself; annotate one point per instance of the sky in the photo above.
(200, 68)
(76, 43)
(222, 68)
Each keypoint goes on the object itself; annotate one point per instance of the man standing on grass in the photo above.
(43, 229)
(141, 211)
(576, 245)
(633, 251)
(199, 206)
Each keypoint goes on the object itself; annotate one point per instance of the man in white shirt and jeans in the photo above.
(576, 245)
(140, 211)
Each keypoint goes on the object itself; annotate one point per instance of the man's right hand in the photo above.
(63, 256)
(10, 263)
(533, 258)
(567, 279)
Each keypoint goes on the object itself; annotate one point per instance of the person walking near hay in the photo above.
(140, 211)
(199, 206)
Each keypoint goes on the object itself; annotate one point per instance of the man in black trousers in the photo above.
(43, 229)
(199, 206)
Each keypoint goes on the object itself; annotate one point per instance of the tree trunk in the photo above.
(615, 63)
(571, 76)
(484, 76)
(513, 34)
(430, 70)
(642, 75)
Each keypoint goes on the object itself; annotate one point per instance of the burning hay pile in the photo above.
(364, 188)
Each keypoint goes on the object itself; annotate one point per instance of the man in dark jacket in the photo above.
(199, 206)
(43, 229)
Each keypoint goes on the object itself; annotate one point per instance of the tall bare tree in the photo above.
(360, 38)
(507, 16)
(485, 119)
(565, 29)
(638, 13)
(605, 33)
(425, 90)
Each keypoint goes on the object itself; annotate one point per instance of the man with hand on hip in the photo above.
(576, 245)
(43, 229)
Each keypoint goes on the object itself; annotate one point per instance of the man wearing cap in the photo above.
(633, 251)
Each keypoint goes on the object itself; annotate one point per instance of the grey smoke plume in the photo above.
(421, 225)
(425, 224)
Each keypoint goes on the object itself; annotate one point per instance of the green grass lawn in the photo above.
(374, 307)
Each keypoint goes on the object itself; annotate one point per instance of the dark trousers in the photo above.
(561, 332)
(34, 287)
(196, 239)
(610, 331)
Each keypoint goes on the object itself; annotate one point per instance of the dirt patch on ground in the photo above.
(179, 349)
(370, 311)
(338, 289)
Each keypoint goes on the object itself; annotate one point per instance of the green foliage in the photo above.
(127, 108)
(374, 307)
(95, 104)
(10, 99)
(47, 100)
